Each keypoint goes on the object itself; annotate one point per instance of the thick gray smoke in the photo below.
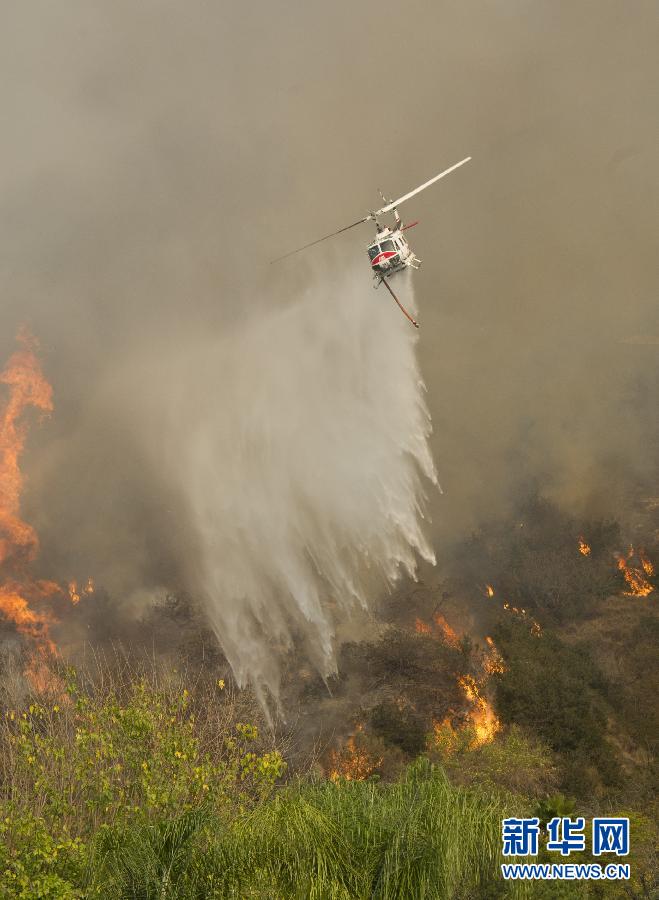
(156, 156)
(298, 445)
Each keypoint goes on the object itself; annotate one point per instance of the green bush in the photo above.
(147, 790)
(121, 758)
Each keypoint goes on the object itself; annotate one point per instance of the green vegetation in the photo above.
(127, 793)
(146, 789)
(556, 691)
(97, 762)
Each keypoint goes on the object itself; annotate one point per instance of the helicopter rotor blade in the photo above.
(326, 237)
(422, 187)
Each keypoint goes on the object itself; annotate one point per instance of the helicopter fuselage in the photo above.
(390, 253)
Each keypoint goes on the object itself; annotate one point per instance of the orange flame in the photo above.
(445, 737)
(27, 388)
(422, 627)
(19, 544)
(489, 590)
(636, 576)
(584, 548)
(483, 718)
(448, 633)
(494, 664)
(440, 623)
(536, 629)
(353, 762)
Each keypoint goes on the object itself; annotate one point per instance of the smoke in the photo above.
(297, 444)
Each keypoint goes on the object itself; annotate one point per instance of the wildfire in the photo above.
(445, 737)
(489, 590)
(353, 762)
(439, 624)
(536, 628)
(482, 720)
(482, 716)
(27, 388)
(584, 548)
(636, 576)
(494, 664)
(75, 595)
(20, 593)
(447, 632)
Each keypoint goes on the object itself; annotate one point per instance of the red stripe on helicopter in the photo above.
(386, 255)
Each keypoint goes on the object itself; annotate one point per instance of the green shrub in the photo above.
(121, 758)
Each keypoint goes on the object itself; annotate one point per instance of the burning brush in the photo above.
(635, 567)
(25, 601)
(637, 570)
(480, 713)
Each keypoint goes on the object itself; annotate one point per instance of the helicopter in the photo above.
(389, 252)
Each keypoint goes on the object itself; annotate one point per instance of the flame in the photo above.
(422, 627)
(75, 594)
(445, 737)
(15, 607)
(27, 388)
(494, 664)
(353, 762)
(24, 600)
(483, 721)
(584, 548)
(489, 590)
(536, 629)
(448, 633)
(635, 575)
(483, 718)
(439, 624)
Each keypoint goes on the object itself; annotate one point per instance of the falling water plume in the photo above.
(299, 447)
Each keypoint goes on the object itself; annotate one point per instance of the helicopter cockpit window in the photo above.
(387, 245)
(373, 251)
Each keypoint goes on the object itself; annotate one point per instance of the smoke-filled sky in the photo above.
(156, 156)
